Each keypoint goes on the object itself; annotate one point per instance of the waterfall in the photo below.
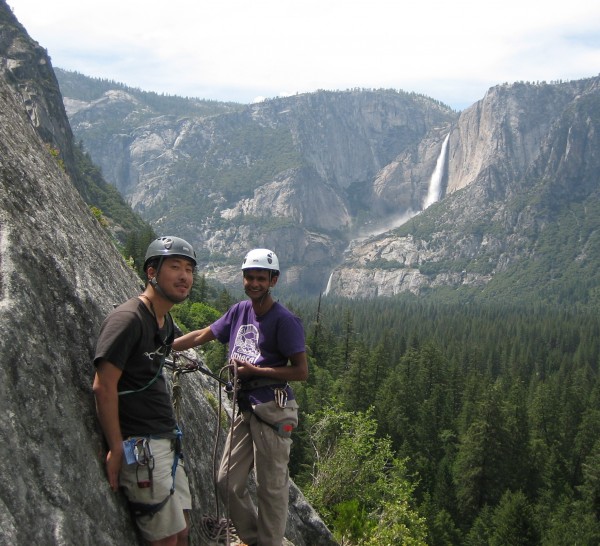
(387, 224)
(328, 284)
(435, 184)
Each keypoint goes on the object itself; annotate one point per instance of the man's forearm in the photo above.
(193, 339)
(107, 409)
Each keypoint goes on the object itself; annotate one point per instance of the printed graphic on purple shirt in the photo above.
(245, 348)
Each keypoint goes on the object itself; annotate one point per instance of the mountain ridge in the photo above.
(309, 175)
(275, 156)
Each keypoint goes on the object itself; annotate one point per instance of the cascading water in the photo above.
(328, 284)
(433, 195)
(435, 184)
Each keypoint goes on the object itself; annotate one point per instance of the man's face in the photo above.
(257, 282)
(175, 278)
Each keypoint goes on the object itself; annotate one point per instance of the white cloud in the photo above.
(238, 50)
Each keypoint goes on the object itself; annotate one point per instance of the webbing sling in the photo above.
(139, 509)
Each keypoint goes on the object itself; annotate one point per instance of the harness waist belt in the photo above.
(262, 382)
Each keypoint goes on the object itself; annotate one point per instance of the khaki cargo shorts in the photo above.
(170, 519)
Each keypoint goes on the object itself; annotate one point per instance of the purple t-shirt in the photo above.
(268, 340)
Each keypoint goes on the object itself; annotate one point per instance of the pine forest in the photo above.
(443, 423)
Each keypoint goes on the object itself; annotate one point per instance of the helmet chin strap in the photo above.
(154, 282)
(265, 296)
(268, 292)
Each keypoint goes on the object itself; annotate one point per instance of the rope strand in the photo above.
(231, 367)
(212, 528)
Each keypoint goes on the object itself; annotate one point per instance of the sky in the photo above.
(247, 50)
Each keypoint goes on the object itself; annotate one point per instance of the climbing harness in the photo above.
(280, 398)
(138, 450)
(142, 456)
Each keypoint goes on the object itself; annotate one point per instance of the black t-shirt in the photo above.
(130, 339)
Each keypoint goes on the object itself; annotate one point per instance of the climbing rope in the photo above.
(214, 529)
(217, 528)
(232, 371)
(221, 528)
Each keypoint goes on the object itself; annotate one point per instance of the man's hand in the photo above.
(245, 369)
(297, 370)
(113, 467)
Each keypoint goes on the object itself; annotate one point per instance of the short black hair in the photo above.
(151, 262)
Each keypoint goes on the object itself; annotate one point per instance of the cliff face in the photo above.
(60, 274)
(517, 161)
(299, 175)
(326, 179)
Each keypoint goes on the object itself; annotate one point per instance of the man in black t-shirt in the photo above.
(133, 403)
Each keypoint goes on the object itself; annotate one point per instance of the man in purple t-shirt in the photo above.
(266, 351)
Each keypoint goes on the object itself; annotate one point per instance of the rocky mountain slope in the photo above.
(60, 274)
(300, 175)
(327, 178)
(522, 175)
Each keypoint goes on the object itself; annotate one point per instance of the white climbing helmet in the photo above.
(261, 258)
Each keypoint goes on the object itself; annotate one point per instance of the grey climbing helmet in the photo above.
(167, 247)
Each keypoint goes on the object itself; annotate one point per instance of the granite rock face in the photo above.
(60, 274)
(519, 146)
(326, 178)
(301, 175)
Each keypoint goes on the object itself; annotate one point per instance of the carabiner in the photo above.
(143, 453)
(281, 396)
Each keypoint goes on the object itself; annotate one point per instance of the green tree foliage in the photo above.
(482, 465)
(135, 247)
(195, 315)
(398, 524)
(570, 523)
(513, 522)
(207, 302)
(358, 482)
(494, 411)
